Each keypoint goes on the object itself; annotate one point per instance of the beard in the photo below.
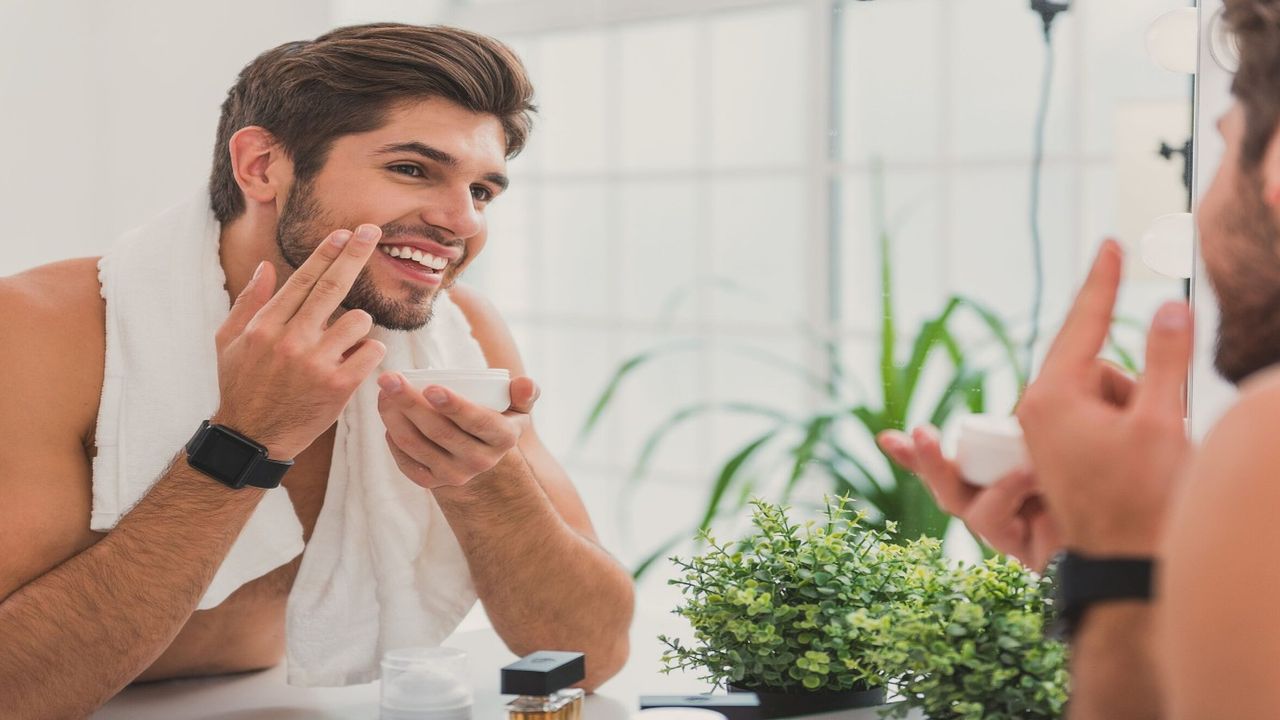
(303, 226)
(1247, 285)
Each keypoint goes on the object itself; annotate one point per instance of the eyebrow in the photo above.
(439, 156)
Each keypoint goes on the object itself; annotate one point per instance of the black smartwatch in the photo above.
(233, 459)
(1084, 581)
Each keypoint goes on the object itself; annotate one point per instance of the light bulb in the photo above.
(1168, 246)
(1173, 40)
(1223, 44)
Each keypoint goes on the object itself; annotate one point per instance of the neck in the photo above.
(242, 244)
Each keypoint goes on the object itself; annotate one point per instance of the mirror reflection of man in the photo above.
(350, 181)
(1115, 478)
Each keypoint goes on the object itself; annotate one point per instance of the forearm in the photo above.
(78, 634)
(544, 585)
(1113, 673)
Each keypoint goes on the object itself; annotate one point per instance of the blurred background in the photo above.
(696, 249)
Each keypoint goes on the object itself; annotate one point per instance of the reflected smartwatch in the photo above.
(1084, 581)
(233, 459)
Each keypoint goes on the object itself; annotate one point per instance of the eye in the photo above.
(405, 169)
(481, 193)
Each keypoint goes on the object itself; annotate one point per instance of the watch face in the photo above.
(225, 457)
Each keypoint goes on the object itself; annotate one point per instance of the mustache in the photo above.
(426, 232)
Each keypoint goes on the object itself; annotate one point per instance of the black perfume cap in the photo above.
(543, 673)
(735, 706)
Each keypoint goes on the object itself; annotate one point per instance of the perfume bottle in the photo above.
(542, 681)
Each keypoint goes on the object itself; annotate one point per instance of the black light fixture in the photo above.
(1049, 10)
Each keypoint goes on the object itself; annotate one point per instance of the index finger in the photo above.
(1089, 321)
(316, 289)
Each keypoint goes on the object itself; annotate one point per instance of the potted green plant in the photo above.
(774, 613)
(974, 644)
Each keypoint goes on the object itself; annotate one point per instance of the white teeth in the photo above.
(407, 253)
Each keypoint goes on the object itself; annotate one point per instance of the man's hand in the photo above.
(284, 372)
(440, 439)
(1108, 470)
(1009, 516)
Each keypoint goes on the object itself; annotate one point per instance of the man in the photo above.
(329, 154)
(1115, 478)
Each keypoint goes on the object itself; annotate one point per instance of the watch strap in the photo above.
(1084, 581)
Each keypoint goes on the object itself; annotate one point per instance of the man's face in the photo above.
(1240, 243)
(425, 178)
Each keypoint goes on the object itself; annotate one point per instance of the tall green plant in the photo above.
(813, 442)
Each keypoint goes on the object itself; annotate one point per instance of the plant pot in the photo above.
(780, 704)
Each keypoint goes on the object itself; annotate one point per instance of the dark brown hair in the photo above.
(309, 93)
(1256, 24)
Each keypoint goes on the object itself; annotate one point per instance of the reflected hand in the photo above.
(1009, 516)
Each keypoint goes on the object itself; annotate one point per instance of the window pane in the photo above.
(761, 244)
(658, 96)
(760, 104)
(891, 90)
(573, 92)
(575, 258)
(916, 249)
(658, 245)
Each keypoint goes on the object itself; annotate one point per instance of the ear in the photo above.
(259, 165)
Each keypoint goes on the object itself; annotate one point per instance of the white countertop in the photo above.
(266, 696)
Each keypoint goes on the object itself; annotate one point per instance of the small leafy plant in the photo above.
(974, 643)
(834, 605)
(776, 610)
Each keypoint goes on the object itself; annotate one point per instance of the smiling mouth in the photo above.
(415, 257)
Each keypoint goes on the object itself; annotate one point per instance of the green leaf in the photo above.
(629, 366)
(1001, 331)
(658, 554)
(728, 473)
(678, 418)
(803, 454)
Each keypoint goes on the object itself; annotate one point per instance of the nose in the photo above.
(455, 212)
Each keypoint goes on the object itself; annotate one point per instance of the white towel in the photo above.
(382, 569)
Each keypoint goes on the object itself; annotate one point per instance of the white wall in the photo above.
(108, 110)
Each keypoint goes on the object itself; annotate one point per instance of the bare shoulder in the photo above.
(53, 323)
(1219, 576)
(488, 328)
(1233, 474)
(51, 379)
(1241, 445)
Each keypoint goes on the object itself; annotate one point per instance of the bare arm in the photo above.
(80, 620)
(81, 616)
(1113, 673)
(79, 633)
(545, 585)
(1219, 638)
(545, 581)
